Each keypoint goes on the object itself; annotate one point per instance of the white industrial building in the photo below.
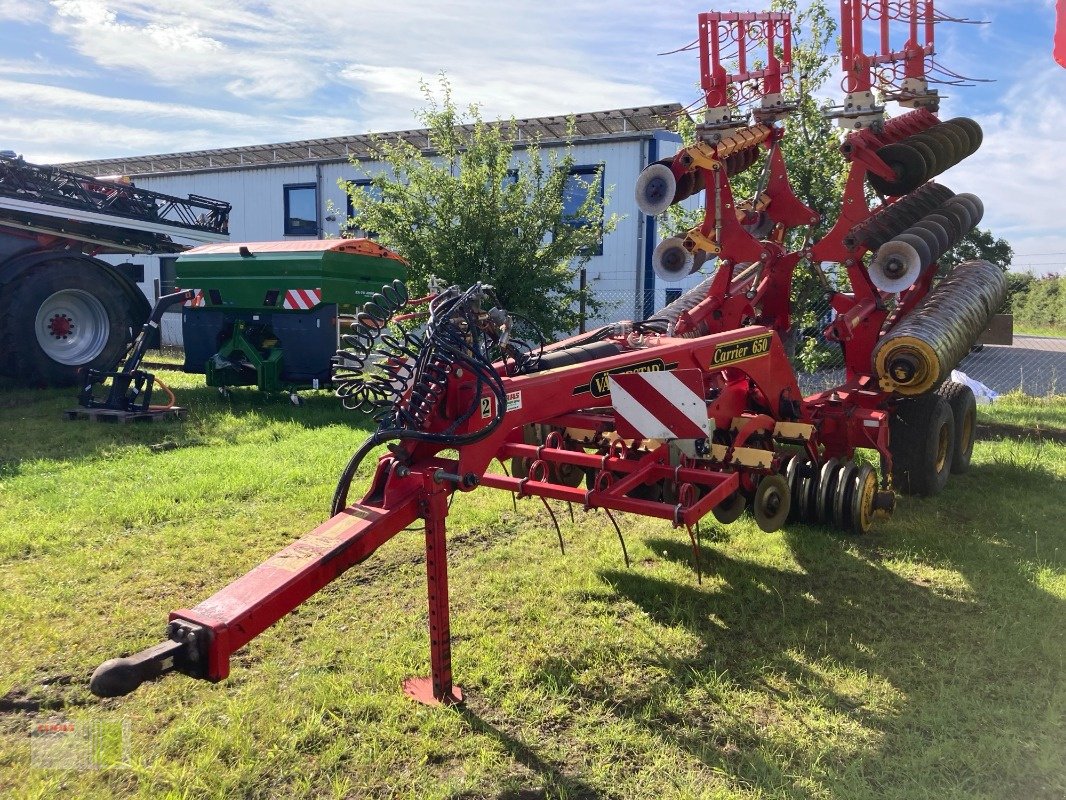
(294, 190)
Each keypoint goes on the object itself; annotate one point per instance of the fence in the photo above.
(1033, 365)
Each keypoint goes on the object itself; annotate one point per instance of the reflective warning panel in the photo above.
(660, 405)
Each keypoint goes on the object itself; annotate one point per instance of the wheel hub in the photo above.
(61, 326)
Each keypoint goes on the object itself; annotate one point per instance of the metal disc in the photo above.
(933, 155)
(925, 255)
(923, 147)
(826, 483)
(930, 239)
(961, 211)
(895, 266)
(847, 473)
(671, 260)
(949, 224)
(792, 472)
(655, 189)
(973, 131)
(943, 241)
(908, 165)
(730, 509)
(973, 202)
(808, 485)
(771, 503)
(944, 145)
(962, 138)
(861, 512)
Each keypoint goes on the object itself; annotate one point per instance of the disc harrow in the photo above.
(692, 412)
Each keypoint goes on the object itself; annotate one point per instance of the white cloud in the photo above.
(25, 11)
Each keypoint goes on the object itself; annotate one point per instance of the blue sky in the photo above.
(98, 78)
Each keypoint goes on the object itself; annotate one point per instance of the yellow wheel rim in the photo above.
(943, 439)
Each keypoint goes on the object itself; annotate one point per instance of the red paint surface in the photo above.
(1060, 32)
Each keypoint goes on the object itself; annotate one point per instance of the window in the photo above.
(374, 192)
(672, 295)
(579, 183)
(301, 210)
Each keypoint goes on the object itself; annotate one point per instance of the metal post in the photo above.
(436, 689)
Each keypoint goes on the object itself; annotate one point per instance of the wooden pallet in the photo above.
(109, 415)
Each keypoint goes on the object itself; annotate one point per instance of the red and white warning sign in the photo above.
(660, 405)
(302, 299)
(197, 300)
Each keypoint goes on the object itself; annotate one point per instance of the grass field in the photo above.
(926, 660)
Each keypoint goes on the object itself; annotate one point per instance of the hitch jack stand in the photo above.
(438, 688)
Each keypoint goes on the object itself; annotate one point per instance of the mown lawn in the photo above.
(927, 659)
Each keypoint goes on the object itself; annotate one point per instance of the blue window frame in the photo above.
(580, 182)
(301, 209)
(362, 185)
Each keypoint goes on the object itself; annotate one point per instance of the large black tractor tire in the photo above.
(964, 409)
(922, 443)
(62, 316)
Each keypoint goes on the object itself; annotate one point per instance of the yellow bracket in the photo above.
(694, 240)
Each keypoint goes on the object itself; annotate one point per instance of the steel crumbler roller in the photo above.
(920, 352)
(693, 411)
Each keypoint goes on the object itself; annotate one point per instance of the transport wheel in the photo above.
(841, 494)
(908, 165)
(771, 503)
(921, 440)
(730, 509)
(60, 317)
(861, 502)
(964, 410)
(827, 478)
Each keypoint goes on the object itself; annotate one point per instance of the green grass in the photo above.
(1033, 413)
(927, 659)
(1026, 329)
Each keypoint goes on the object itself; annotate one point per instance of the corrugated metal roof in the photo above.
(341, 148)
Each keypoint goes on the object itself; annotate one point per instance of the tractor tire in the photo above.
(60, 317)
(964, 409)
(921, 440)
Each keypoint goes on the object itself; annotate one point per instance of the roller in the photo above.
(920, 351)
(671, 261)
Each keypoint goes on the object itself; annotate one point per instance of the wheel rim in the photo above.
(72, 327)
(943, 438)
(967, 430)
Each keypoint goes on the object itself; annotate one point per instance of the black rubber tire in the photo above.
(908, 165)
(22, 358)
(921, 440)
(964, 410)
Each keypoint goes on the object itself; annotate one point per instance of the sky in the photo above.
(83, 79)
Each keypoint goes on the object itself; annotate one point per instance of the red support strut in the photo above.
(438, 688)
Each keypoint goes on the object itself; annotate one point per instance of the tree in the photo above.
(979, 243)
(468, 212)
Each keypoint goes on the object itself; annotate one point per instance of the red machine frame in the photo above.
(732, 337)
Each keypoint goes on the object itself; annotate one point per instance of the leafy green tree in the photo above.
(466, 212)
(979, 243)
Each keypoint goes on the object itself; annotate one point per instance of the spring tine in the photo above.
(625, 553)
(570, 506)
(514, 500)
(695, 539)
(555, 522)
